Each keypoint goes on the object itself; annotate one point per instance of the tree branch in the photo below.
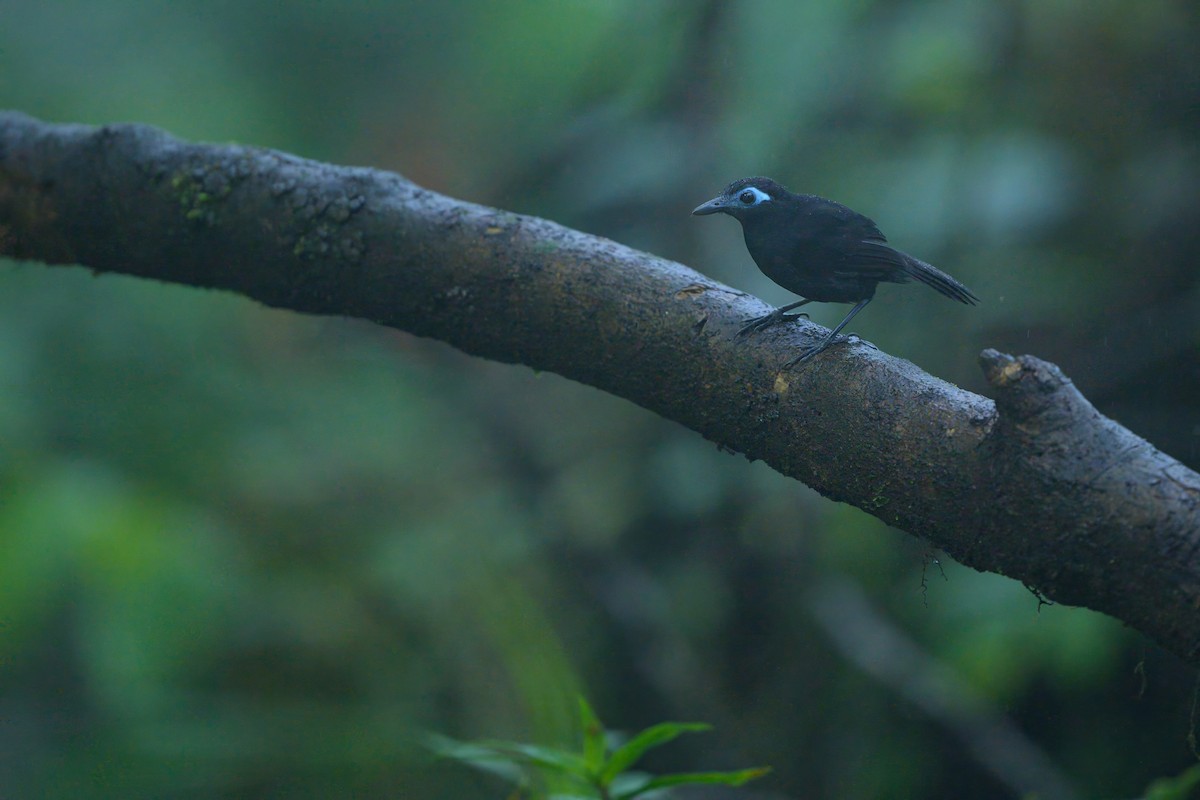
(1037, 486)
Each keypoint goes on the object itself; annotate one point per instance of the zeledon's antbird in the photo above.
(821, 250)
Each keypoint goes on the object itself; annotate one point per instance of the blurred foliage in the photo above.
(249, 553)
(599, 766)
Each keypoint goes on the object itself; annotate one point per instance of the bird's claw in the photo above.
(770, 320)
(854, 338)
(850, 338)
(806, 355)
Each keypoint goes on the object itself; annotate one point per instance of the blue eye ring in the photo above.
(752, 196)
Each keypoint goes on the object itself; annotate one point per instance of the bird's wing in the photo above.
(873, 259)
(863, 254)
(901, 267)
(853, 245)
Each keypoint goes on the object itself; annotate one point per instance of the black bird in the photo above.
(820, 250)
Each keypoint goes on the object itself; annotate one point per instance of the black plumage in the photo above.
(821, 250)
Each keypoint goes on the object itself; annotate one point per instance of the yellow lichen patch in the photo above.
(492, 230)
(1011, 371)
(781, 384)
(200, 193)
(691, 290)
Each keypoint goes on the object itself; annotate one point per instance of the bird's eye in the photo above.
(752, 196)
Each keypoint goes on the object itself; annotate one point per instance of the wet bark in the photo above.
(1036, 485)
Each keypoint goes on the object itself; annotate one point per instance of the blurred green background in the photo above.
(247, 553)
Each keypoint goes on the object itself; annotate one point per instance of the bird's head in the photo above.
(743, 197)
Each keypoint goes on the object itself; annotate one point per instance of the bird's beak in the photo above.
(714, 206)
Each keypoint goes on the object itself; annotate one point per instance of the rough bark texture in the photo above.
(1038, 486)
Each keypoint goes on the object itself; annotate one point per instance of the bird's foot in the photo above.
(854, 338)
(767, 321)
(807, 354)
(824, 344)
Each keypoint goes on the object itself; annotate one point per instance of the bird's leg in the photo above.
(774, 318)
(828, 340)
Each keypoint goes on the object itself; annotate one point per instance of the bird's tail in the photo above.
(934, 278)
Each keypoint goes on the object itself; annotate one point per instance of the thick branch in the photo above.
(1038, 486)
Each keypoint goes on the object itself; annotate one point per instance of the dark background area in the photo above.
(248, 553)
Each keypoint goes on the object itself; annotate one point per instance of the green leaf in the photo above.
(546, 757)
(629, 784)
(627, 754)
(594, 747)
(1179, 787)
(475, 756)
(491, 754)
(735, 778)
